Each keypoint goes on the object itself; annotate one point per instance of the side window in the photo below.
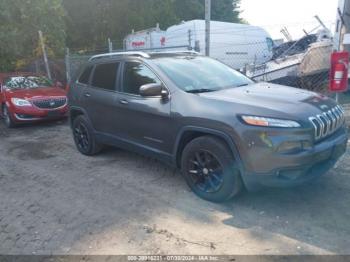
(85, 76)
(137, 75)
(105, 76)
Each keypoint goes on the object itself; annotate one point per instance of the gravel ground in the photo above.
(55, 201)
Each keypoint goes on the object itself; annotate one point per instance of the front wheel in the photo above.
(7, 117)
(210, 169)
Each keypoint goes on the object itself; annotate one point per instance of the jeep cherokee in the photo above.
(223, 131)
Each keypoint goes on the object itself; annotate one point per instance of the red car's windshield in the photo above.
(27, 82)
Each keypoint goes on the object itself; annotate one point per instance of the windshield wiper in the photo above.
(242, 85)
(202, 90)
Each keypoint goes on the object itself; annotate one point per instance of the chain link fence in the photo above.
(75, 60)
(302, 62)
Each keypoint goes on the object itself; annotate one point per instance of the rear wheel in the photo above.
(84, 137)
(7, 117)
(210, 169)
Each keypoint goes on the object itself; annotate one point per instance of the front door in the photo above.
(143, 121)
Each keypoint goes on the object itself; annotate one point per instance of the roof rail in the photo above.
(175, 52)
(141, 54)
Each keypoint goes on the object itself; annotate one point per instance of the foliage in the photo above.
(86, 24)
(20, 22)
(91, 22)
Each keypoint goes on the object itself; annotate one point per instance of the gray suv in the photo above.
(223, 131)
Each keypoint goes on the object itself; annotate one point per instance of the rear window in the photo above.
(105, 76)
(85, 76)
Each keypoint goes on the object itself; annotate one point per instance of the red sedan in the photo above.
(26, 97)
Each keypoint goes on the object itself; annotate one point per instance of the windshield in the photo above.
(200, 74)
(27, 82)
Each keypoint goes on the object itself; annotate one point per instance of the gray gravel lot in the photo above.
(55, 201)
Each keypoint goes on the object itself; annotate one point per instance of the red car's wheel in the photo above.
(7, 117)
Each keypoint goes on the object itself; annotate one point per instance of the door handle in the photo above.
(87, 95)
(123, 102)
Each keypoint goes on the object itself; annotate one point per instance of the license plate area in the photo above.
(53, 114)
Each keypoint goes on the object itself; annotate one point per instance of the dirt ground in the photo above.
(55, 201)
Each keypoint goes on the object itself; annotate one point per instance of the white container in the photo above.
(146, 39)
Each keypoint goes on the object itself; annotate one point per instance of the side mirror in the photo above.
(59, 84)
(152, 90)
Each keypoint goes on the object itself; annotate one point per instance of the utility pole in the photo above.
(47, 67)
(342, 25)
(342, 29)
(207, 26)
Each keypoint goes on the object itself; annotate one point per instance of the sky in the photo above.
(296, 15)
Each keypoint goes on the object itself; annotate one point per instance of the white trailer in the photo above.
(236, 45)
(146, 39)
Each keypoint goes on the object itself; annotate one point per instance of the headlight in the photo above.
(20, 102)
(269, 122)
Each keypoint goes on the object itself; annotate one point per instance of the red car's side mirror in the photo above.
(59, 84)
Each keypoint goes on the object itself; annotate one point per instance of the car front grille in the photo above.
(328, 122)
(51, 103)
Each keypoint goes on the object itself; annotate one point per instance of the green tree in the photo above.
(91, 22)
(86, 24)
(226, 11)
(20, 22)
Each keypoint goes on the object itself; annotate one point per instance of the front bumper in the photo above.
(296, 169)
(24, 115)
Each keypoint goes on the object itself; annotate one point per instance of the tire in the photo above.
(7, 117)
(201, 162)
(84, 137)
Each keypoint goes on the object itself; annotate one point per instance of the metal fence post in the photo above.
(110, 46)
(189, 39)
(67, 62)
(43, 48)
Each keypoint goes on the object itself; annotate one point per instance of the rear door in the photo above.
(98, 98)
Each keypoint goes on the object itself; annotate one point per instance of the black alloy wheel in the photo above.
(81, 137)
(211, 169)
(205, 171)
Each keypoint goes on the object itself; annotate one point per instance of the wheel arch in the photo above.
(187, 134)
(74, 112)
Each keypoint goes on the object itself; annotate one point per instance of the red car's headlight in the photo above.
(20, 102)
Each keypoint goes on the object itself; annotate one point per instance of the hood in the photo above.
(36, 93)
(274, 98)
